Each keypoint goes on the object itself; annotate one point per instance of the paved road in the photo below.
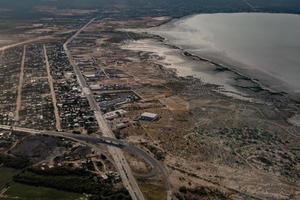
(120, 162)
(158, 168)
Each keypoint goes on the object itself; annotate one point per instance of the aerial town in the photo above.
(83, 115)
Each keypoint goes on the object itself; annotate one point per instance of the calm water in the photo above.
(265, 46)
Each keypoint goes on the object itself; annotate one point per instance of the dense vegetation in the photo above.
(14, 162)
(73, 181)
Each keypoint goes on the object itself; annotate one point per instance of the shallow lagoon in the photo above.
(262, 45)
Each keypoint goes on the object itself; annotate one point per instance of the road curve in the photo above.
(93, 141)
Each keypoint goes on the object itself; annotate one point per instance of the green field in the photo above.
(6, 175)
(25, 192)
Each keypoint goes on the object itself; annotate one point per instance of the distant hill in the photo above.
(26, 8)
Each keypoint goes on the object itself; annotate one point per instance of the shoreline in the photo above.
(183, 66)
(253, 90)
(224, 67)
(281, 89)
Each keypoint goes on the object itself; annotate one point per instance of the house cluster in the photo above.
(36, 102)
(111, 87)
(74, 109)
(10, 61)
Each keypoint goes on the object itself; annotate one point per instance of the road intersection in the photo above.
(95, 141)
(120, 162)
(115, 146)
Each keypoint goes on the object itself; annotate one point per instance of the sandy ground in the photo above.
(173, 58)
(295, 120)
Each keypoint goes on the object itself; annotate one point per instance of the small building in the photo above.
(149, 116)
(90, 74)
(114, 114)
(121, 125)
(69, 75)
(95, 87)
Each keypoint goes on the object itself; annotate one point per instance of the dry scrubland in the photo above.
(213, 146)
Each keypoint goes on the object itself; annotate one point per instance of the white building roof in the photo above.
(114, 114)
(149, 115)
(95, 87)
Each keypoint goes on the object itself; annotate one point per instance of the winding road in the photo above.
(93, 141)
